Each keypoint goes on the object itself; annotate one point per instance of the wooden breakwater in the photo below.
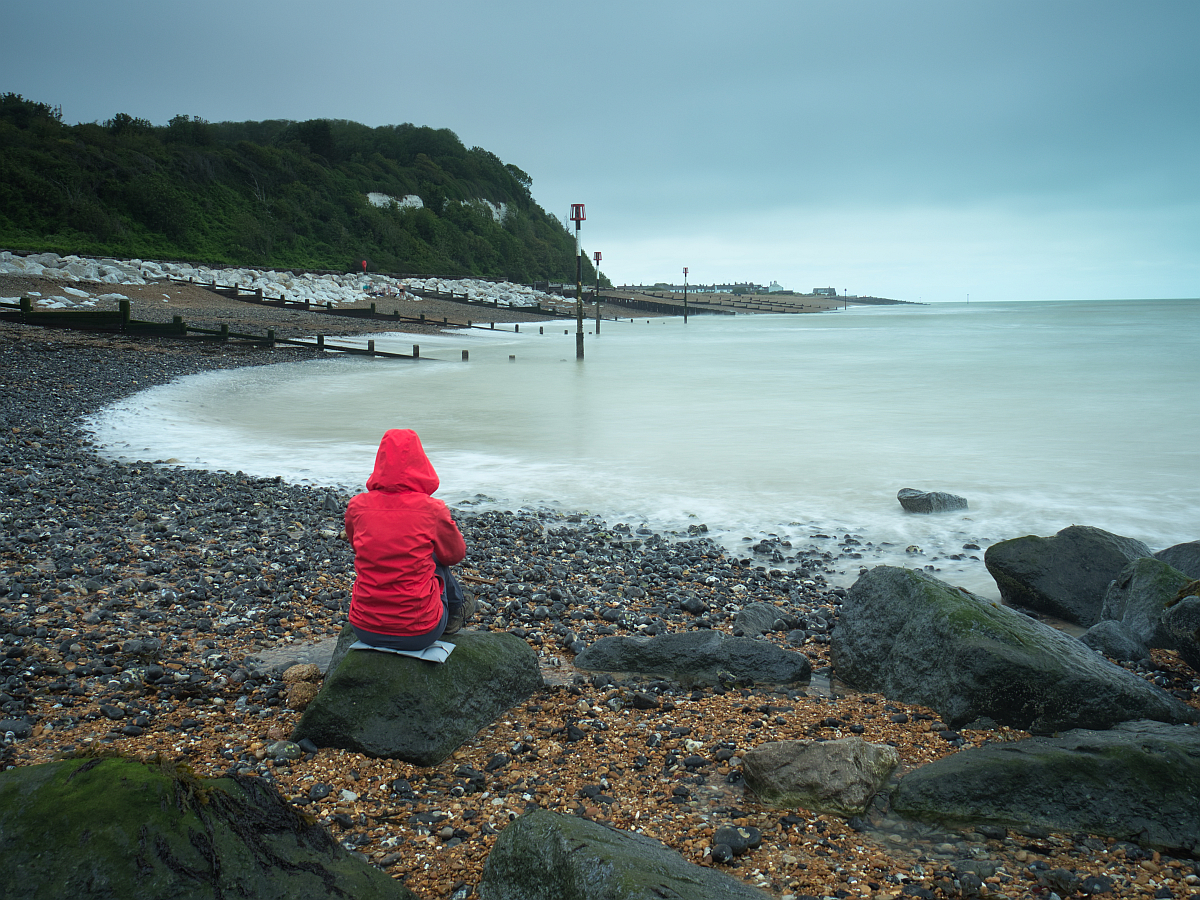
(245, 295)
(119, 321)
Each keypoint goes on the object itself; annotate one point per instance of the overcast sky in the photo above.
(916, 149)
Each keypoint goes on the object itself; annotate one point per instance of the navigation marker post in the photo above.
(597, 255)
(685, 268)
(577, 217)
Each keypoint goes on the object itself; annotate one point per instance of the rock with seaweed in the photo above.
(917, 639)
(1065, 575)
(544, 855)
(398, 707)
(103, 827)
(1138, 782)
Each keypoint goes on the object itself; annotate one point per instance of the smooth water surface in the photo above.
(1042, 414)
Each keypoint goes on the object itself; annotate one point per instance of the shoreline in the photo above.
(161, 559)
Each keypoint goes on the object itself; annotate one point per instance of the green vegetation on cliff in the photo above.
(275, 193)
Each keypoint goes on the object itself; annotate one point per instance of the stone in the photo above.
(302, 672)
(839, 777)
(1181, 621)
(1184, 557)
(116, 827)
(398, 707)
(697, 657)
(1114, 640)
(300, 694)
(740, 839)
(1139, 595)
(1138, 782)
(1065, 575)
(756, 619)
(914, 638)
(544, 855)
(915, 501)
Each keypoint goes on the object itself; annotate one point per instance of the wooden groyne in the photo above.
(244, 295)
(119, 321)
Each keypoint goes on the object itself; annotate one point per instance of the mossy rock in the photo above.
(119, 828)
(1139, 595)
(544, 855)
(1065, 575)
(919, 640)
(1138, 782)
(398, 707)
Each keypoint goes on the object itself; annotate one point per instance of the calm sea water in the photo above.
(1043, 415)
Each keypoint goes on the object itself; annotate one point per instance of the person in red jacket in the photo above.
(404, 541)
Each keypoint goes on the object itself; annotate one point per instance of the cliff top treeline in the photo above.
(275, 193)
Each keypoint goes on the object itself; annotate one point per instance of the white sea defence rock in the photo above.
(317, 289)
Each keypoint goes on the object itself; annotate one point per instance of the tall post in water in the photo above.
(577, 217)
(685, 268)
(597, 256)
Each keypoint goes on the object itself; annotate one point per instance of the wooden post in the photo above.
(416, 351)
(224, 332)
(422, 318)
(370, 348)
(26, 307)
(271, 337)
(124, 305)
(320, 342)
(541, 329)
(517, 328)
(466, 355)
(258, 295)
(492, 326)
(177, 321)
(372, 309)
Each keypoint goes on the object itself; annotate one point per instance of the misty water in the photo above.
(1041, 414)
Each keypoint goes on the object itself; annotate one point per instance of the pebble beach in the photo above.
(147, 608)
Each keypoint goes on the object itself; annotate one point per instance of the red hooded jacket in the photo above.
(395, 529)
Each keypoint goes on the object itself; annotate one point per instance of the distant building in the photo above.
(775, 288)
(825, 292)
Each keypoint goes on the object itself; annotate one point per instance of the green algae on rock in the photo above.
(1138, 782)
(398, 707)
(544, 855)
(919, 640)
(116, 827)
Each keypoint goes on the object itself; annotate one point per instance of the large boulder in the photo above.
(1139, 595)
(1181, 622)
(917, 639)
(697, 656)
(115, 827)
(839, 777)
(1184, 557)
(399, 707)
(1137, 782)
(761, 618)
(544, 855)
(1065, 575)
(1116, 641)
(915, 501)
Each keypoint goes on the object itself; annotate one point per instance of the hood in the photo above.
(401, 464)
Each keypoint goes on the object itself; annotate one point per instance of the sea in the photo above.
(798, 427)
